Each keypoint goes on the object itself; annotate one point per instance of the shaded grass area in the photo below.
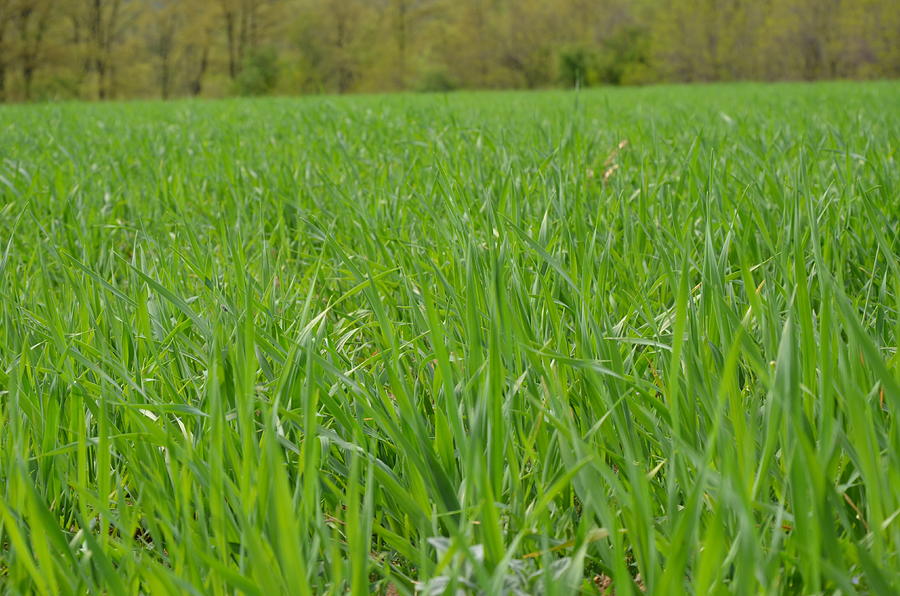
(636, 339)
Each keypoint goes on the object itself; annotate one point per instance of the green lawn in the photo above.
(489, 342)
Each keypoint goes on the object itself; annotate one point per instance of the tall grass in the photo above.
(468, 343)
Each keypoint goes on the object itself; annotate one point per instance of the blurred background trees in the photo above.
(104, 49)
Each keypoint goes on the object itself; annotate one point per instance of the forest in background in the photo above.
(107, 49)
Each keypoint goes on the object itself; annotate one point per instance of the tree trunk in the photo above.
(2, 65)
(402, 10)
(245, 33)
(164, 76)
(230, 37)
(32, 26)
(101, 80)
(342, 71)
(197, 83)
(96, 36)
(27, 79)
(4, 19)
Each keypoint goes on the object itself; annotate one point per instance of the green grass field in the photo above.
(498, 343)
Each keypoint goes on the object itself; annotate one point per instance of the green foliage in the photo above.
(543, 343)
(259, 74)
(624, 58)
(107, 49)
(577, 66)
(437, 81)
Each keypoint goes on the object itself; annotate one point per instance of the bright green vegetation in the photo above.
(344, 345)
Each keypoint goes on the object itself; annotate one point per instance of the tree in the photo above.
(530, 31)
(102, 20)
(342, 15)
(23, 31)
(246, 24)
(83, 48)
(5, 19)
(259, 74)
(468, 43)
(33, 18)
(405, 23)
(163, 23)
(685, 40)
(197, 50)
(335, 40)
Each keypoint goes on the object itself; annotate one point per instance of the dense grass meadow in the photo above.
(486, 343)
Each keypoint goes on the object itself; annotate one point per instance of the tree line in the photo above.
(104, 49)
